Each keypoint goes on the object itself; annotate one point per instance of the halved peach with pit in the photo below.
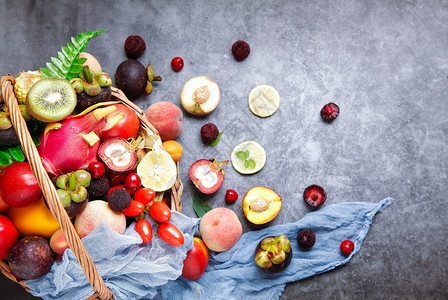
(261, 205)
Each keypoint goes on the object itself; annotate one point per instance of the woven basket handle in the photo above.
(49, 191)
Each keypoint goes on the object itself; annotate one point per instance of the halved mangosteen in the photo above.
(118, 156)
(207, 175)
(273, 254)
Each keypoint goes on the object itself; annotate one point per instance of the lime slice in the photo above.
(264, 100)
(157, 170)
(248, 157)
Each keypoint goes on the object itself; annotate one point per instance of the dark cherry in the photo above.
(231, 196)
(97, 169)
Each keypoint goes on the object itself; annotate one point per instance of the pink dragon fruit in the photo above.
(73, 143)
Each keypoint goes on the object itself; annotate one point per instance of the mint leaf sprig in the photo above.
(245, 156)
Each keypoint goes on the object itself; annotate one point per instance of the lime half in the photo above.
(157, 170)
(264, 100)
(248, 157)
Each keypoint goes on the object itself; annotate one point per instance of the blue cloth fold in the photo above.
(136, 271)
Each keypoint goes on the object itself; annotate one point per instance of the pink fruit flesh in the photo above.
(207, 175)
(70, 145)
(118, 156)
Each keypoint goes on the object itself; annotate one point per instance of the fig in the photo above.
(118, 155)
(207, 175)
(273, 254)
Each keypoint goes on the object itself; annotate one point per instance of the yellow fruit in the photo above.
(248, 157)
(264, 100)
(157, 170)
(174, 149)
(34, 219)
(24, 82)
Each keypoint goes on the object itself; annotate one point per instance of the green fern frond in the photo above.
(68, 65)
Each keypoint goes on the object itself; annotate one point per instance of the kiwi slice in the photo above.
(51, 99)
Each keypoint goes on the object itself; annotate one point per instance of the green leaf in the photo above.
(200, 206)
(247, 154)
(246, 164)
(5, 158)
(16, 153)
(36, 140)
(67, 65)
(252, 163)
(241, 155)
(216, 141)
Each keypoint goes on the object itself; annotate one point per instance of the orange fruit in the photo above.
(174, 149)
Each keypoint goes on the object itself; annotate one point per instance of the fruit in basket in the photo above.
(306, 238)
(98, 211)
(91, 62)
(18, 186)
(160, 212)
(135, 209)
(99, 186)
(97, 169)
(144, 229)
(166, 118)
(273, 254)
(72, 187)
(3, 206)
(51, 99)
(118, 155)
(119, 199)
(220, 229)
(209, 133)
(8, 236)
(207, 175)
(134, 46)
(126, 128)
(174, 149)
(261, 205)
(314, 195)
(73, 143)
(58, 242)
(91, 88)
(200, 95)
(75, 208)
(157, 170)
(196, 261)
(171, 234)
(23, 83)
(31, 257)
(34, 219)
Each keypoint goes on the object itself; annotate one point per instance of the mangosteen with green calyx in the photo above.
(92, 88)
(75, 208)
(72, 190)
(8, 136)
(134, 79)
(273, 254)
(151, 77)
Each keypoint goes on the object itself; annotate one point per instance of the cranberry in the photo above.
(231, 196)
(177, 63)
(132, 181)
(329, 112)
(97, 169)
(347, 247)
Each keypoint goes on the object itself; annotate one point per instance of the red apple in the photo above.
(196, 261)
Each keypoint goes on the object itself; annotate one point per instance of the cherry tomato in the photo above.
(231, 196)
(160, 212)
(18, 186)
(132, 181)
(145, 195)
(170, 234)
(347, 247)
(8, 236)
(126, 128)
(135, 209)
(177, 63)
(144, 228)
(97, 169)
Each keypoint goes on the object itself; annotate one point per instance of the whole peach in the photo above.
(91, 61)
(58, 242)
(166, 118)
(196, 261)
(98, 211)
(220, 229)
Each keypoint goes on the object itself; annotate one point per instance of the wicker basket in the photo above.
(50, 194)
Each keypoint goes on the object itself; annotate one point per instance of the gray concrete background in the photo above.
(383, 62)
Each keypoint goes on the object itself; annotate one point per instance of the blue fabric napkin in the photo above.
(137, 271)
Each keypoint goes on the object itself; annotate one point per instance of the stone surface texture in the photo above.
(385, 63)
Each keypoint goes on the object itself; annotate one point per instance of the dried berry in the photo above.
(240, 50)
(119, 199)
(134, 46)
(329, 112)
(209, 133)
(99, 186)
(306, 238)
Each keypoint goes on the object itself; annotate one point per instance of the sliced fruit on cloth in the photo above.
(157, 170)
(248, 157)
(264, 100)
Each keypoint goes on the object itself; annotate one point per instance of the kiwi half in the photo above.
(51, 99)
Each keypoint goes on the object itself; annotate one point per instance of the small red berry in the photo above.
(329, 112)
(132, 181)
(347, 247)
(231, 196)
(96, 169)
(177, 63)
